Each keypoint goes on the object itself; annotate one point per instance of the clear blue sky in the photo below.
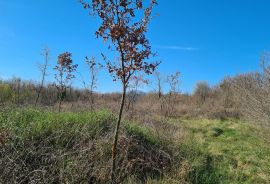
(205, 40)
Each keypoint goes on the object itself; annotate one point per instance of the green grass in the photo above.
(53, 147)
(144, 133)
(228, 151)
(31, 122)
(73, 147)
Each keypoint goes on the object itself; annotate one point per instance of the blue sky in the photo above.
(205, 40)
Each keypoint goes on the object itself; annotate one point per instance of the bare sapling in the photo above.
(93, 72)
(158, 89)
(135, 83)
(173, 81)
(158, 83)
(43, 70)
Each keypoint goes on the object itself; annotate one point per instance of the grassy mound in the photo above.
(47, 147)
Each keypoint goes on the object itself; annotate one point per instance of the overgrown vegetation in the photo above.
(48, 147)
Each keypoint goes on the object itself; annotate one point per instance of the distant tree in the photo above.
(159, 84)
(16, 88)
(173, 80)
(227, 93)
(202, 91)
(5, 93)
(64, 75)
(265, 64)
(135, 83)
(43, 69)
(124, 23)
(159, 81)
(93, 72)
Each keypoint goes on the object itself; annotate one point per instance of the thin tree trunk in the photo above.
(92, 88)
(116, 134)
(59, 106)
(91, 100)
(43, 75)
(39, 91)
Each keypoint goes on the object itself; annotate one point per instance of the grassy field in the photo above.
(47, 147)
(229, 151)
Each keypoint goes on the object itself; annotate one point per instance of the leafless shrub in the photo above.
(141, 159)
(170, 101)
(133, 93)
(250, 93)
(93, 71)
(253, 91)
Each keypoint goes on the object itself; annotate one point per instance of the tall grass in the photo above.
(46, 147)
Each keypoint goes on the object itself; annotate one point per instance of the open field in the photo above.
(47, 147)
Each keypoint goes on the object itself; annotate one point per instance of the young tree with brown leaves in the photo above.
(64, 75)
(124, 24)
